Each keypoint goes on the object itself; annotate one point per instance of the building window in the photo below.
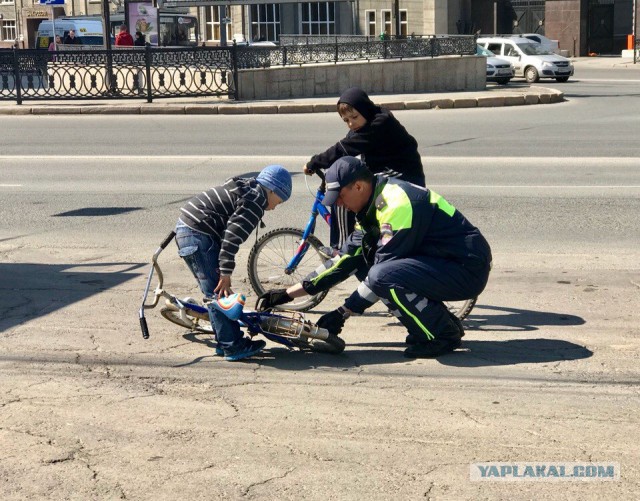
(403, 22)
(212, 23)
(8, 31)
(370, 16)
(10, 2)
(386, 22)
(317, 18)
(265, 22)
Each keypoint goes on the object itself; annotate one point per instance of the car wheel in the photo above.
(531, 75)
(562, 79)
(503, 81)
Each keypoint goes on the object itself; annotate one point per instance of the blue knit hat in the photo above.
(277, 179)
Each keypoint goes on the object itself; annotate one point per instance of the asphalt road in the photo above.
(548, 369)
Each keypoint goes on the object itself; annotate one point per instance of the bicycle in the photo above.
(280, 259)
(288, 328)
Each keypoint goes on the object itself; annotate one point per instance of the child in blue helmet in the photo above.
(210, 230)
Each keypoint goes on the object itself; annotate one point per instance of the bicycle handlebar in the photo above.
(167, 240)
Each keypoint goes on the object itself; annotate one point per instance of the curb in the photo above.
(539, 95)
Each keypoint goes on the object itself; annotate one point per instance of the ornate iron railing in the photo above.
(336, 48)
(150, 73)
(123, 74)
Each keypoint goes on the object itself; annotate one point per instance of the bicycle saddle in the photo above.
(231, 306)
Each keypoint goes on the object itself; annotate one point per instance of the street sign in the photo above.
(51, 2)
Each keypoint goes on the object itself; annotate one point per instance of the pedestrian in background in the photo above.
(140, 40)
(71, 38)
(124, 38)
(54, 43)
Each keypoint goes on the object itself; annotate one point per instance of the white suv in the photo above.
(528, 59)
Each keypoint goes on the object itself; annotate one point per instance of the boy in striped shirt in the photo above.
(210, 230)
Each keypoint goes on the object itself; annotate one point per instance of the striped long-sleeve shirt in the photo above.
(229, 213)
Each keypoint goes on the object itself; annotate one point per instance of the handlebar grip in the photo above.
(145, 329)
(166, 241)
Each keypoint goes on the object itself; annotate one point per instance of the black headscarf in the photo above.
(359, 100)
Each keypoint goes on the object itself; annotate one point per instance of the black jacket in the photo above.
(384, 144)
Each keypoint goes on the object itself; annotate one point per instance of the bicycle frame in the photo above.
(316, 210)
(282, 328)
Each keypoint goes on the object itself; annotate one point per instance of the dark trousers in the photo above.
(414, 289)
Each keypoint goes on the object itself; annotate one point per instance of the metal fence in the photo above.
(145, 73)
(301, 49)
(316, 39)
(149, 73)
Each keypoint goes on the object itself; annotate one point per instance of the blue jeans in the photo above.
(201, 253)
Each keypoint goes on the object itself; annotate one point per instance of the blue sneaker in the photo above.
(219, 351)
(249, 349)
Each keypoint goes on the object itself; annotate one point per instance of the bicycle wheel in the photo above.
(193, 321)
(333, 344)
(269, 258)
(461, 309)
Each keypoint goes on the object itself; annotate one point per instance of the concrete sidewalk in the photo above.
(514, 94)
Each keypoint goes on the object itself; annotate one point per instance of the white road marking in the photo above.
(622, 80)
(10, 185)
(541, 186)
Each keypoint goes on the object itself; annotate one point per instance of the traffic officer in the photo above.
(420, 251)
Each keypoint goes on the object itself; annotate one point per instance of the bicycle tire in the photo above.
(269, 257)
(193, 322)
(333, 344)
(461, 309)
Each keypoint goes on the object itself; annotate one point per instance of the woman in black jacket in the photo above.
(382, 143)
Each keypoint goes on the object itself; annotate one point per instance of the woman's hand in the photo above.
(224, 286)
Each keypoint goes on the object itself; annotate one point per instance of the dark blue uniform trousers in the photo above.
(414, 288)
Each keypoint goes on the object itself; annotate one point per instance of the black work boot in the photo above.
(412, 339)
(433, 348)
(458, 322)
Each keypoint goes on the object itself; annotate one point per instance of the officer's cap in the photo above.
(342, 172)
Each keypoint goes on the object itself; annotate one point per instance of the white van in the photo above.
(528, 58)
(88, 31)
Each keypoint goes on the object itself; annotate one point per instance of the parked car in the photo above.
(528, 58)
(546, 43)
(498, 70)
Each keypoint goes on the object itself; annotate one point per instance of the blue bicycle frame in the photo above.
(251, 321)
(316, 210)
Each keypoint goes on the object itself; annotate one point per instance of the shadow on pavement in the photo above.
(514, 351)
(474, 353)
(30, 290)
(500, 318)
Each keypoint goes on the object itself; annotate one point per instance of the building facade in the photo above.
(582, 27)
